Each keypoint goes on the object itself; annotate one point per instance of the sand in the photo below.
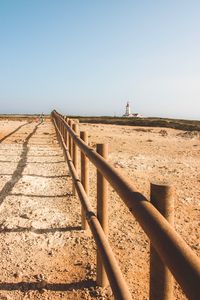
(44, 252)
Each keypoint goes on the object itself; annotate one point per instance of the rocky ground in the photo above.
(44, 252)
(149, 155)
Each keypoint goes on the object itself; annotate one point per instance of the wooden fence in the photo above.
(168, 250)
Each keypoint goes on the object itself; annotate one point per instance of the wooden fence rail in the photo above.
(171, 248)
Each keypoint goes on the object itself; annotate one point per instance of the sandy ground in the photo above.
(44, 252)
(149, 155)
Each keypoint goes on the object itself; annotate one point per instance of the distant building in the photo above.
(128, 110)
(128, 113)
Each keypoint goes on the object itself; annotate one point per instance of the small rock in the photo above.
(16, 275)
(39, 277)
(77, 263)
(24, 216)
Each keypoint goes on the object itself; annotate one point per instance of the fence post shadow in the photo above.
(17, 174)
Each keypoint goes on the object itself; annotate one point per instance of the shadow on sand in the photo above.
(42, 176)
(40, 230)
(11, 133)
(38, 286)
(41, 196)
(17, 174)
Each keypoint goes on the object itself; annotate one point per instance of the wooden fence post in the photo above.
(66, 134)
(161, 279)
(102, 213)
(84, 177)
(70, 139)
(61, 128)
(75, 154)
(59, 122)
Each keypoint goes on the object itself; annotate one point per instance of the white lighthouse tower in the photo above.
(128, 110)
(128, 113)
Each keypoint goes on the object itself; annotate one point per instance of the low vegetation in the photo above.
(187, 125)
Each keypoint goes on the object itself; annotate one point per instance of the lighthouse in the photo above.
(128, 113)
(128, 110)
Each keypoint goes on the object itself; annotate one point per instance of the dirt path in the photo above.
(44, 252)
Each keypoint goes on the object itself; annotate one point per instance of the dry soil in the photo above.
(44, 252)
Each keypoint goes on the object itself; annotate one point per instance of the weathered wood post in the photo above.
(70, 139)
(161, 279)
(102, 213)
(75, 153)
(61, 127)
(84, 177)
(65, 132)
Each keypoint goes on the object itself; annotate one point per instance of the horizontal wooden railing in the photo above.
(171, 248)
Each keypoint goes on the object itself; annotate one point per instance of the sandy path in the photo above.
(44, 252)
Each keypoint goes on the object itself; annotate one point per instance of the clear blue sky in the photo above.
(90, 57)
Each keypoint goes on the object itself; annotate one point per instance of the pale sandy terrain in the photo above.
(150, 155)
(44, 252)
